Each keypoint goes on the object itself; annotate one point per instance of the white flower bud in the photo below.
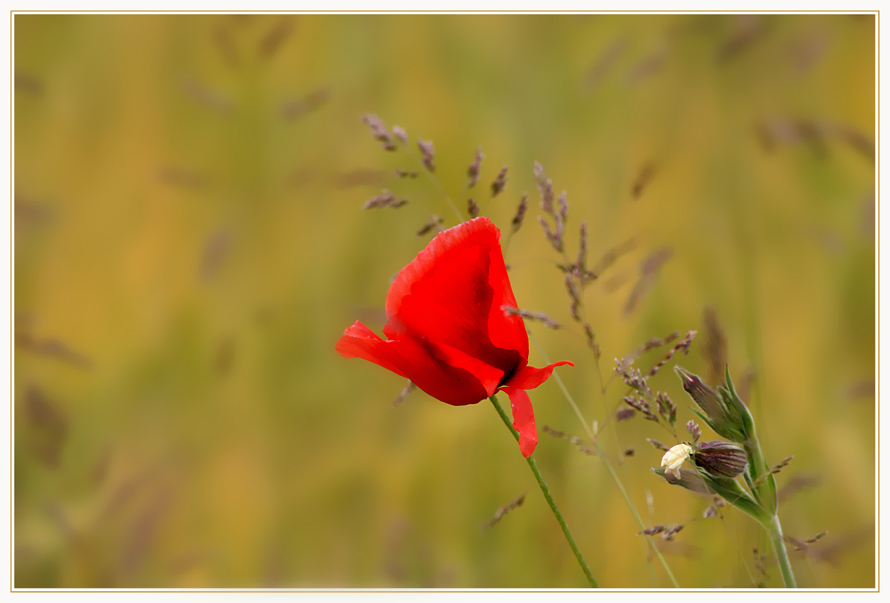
(674, 458)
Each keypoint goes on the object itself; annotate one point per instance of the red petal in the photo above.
(488, 376)
(523, 419)
(529, 377)
(442, 243)
(506, 331)
(359, 341)
(446, 374)
(451, 294)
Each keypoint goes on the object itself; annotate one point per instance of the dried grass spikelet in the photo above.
(499, 182)
(427, 154)
(536, 316)
(473, 169)
(384, 199)
(431, 225)
(472, 208)
(381, 134)
(519, 217)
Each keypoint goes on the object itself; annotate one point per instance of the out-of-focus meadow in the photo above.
(190, 243)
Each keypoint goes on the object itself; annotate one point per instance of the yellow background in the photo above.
(190, 244)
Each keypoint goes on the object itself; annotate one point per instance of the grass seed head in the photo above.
(428, 154)
(499, 183)
(378, 129)
(473, 170)
(520, 213)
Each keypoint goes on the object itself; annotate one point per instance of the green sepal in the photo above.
(727, 488)
(735, 495)
(736, 408)
(689, 479)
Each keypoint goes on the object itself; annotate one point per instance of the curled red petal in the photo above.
(359, 341)
(529, 377)
(452, 294)
(523, 419)
(444, 373)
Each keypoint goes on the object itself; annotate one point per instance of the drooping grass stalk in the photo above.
(589, 430)
(546, 492)
(735, 541)
(649, 542)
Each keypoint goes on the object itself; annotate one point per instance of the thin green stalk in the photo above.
(546, 492)
(735, 541)
(774, 529)
(608, 465)
(763, 485)
(636, 515)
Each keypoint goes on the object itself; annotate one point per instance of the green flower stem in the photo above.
(774, 529)
(763, 485)
(762, 481)
(546, 492)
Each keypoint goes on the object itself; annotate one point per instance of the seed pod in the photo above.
(720, 458)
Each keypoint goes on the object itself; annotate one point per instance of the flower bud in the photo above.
(703, 395)
(735, 407)
(719, 412)
(723, 459)
(674, 458)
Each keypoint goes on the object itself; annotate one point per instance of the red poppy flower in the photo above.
(447, 330)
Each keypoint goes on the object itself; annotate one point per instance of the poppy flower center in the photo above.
(508, 375)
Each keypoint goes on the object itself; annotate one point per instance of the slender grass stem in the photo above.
(763, 486)
(584, 321)
(435, 182)
(735, 541)
(608, 464)
(546, 492)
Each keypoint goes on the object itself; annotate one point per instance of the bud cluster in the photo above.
(718, 462)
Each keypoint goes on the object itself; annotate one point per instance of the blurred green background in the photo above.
(190, 244)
